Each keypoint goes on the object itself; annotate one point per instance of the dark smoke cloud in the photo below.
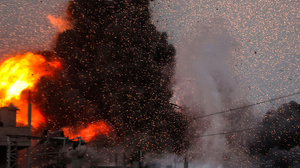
(276, 142)
(117, 68)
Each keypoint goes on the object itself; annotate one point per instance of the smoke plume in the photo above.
(204, 85)
(277, 139)
(117, 68)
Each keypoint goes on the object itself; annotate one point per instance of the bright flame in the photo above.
(87, 133)
(21, 73)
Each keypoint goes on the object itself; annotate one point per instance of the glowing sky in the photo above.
(267, 63)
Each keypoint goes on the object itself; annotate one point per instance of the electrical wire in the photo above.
(247, 106)
(229, 132)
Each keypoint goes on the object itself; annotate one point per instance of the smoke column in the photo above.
(117, 68)
(204, 85)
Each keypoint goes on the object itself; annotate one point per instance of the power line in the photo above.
(247, 106)
(229, 132)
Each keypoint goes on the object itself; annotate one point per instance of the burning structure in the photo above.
(109, 75)
(12, 138)
(116, 68)
(19, 75)
(110, 72)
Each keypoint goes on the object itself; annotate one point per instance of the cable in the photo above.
(247, 106)
(223, 133)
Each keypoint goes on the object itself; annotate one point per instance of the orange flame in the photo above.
(87, 133)
(59, 23)
(21, 73)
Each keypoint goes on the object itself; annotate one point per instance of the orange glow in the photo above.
(59, 23)
(21, 73)
(89, 132)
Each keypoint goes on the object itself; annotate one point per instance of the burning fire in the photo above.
(21, 73)
(89, 132)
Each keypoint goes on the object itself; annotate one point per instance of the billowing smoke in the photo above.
(276, 141)
(205, 85)
(117, 68)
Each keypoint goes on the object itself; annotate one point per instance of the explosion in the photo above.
(87, 133)
(117, 68)
(19, 74)
(19, 77)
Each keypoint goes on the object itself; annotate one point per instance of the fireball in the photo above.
(21, 73)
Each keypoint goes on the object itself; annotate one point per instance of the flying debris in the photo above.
(117, 68)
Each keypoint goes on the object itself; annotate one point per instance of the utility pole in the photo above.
(29, 133)
(186, 163)
(141, 159)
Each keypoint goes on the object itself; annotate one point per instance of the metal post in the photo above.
(64, 146)
(29, 133)
(79, 143)
(141, 158)
(186, 163)
(8, 152)
(124, 160)
(116, 159)
(12, 153)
